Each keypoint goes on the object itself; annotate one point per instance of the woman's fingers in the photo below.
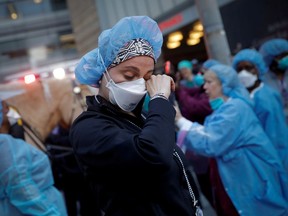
(160, 84)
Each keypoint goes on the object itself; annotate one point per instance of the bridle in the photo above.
(77, 98)
(34, 135)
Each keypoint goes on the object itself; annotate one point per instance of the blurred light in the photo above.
(29, 78)
(77, 90)
(12, 11)
(193, 41)
(198, 26)
(37, 1)
(59, 73)
(14, 16)
(175, 36)
(173, 45)
(67, 38)
(167, 67)
(196, 34)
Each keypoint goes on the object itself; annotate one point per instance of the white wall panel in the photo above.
(110, 11)
(119, 8)
(129, 8)
(166, 5)
(142, 8)
(154, 7)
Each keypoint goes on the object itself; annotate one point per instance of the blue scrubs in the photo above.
(26, 181)
(269, 109)
(249, 166)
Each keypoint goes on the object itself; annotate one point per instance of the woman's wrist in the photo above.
(158, 95)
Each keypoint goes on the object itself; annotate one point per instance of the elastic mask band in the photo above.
(104, 67)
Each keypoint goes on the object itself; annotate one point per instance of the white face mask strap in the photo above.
(104, 67)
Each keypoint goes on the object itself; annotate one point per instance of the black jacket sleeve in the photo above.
(110, 145)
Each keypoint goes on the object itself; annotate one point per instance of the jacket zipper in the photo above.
(198, 210)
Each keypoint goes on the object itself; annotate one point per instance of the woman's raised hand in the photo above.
(160, 84)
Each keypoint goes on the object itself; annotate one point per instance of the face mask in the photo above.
(199, 80)
(247, 79)
(216, 103)
(283, 63)
(126, 95)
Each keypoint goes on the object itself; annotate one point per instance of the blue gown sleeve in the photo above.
(17, 181)
(269, 109)
(218, 135)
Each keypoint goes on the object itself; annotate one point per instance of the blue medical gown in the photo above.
(282, 87)
(269, 109)
(26, 181)
(248, 164)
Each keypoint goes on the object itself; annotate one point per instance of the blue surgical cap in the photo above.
(272, 48)
(253, 57)
(90, 68)
(209, 63)
(184, 64)
(231, 85)
(1, 113)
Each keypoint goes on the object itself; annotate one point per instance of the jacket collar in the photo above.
(97, 103)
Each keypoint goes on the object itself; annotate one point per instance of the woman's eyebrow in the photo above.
(132, 68)
(136, 69)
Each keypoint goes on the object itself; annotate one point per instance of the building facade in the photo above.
(38, 35)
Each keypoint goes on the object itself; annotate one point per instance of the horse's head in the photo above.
(45, 104)
(72, 103)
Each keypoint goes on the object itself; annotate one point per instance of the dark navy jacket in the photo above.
(131, 159)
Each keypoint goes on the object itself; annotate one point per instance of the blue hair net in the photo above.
(253, 57)
(209, 63)
(184, 64)
(1, 113)
(272, 48)
(90, 68)
(231, 85)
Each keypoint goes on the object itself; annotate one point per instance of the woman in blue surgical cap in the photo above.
(209, 63)
(248, 176)
(26, 180)
(275, 54)
(131, 160)
(268, 105)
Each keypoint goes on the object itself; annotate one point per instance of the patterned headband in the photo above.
(135, 47)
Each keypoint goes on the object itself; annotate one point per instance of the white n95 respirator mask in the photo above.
(126, 95)
(247, 79)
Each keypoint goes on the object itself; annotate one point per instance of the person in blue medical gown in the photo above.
(249, 178)
(275, 54)
(26, 182)
(268, 105)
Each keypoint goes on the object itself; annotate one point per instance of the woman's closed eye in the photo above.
(129, 77)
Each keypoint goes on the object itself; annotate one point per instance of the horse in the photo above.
(44, 104)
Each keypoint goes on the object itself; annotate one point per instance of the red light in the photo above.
(167, 67)
(29, 78)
